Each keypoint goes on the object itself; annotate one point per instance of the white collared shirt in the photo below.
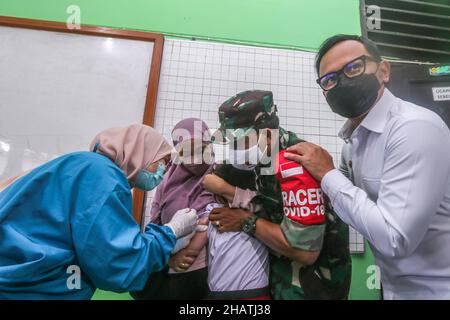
(400, 199)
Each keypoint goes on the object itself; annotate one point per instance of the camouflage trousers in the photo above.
(284, 279)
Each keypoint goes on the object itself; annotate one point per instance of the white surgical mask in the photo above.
(242, 156)
(247, 159)
(245, 167)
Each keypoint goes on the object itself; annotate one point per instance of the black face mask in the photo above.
(354, 97)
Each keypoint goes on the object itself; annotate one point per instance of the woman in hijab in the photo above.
(66, 227)
(185, 277)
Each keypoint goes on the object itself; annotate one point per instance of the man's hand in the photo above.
(315, 159)
(183, 260)
(228, 220)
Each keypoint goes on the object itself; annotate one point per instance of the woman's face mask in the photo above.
(197, 161)
(196, 169)
(147, 180)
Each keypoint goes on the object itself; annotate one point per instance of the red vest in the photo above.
(303, 199)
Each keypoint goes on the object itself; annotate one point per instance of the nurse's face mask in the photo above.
(147, 180)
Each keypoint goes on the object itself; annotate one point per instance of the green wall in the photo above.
(291, 23)
(298, 24)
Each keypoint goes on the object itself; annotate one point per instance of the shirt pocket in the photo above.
(371, 186)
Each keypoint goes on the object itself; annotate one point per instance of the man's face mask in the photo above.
(351, 92)
(247, 159)
(147, 180)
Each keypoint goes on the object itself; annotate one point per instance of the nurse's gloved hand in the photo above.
(183, 222)
(183, 242)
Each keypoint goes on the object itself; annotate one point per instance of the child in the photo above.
(303, 204)
(238, 263)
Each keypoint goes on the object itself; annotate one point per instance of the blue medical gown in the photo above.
(75, 211)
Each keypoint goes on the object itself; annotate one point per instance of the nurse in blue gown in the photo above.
(66, 228)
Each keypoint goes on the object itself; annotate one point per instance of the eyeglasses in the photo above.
(353, 69)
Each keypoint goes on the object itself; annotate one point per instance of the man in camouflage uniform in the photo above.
(329, 276)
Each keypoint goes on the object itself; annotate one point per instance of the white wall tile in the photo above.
(196, 77)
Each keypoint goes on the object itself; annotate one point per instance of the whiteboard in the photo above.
(58, 90)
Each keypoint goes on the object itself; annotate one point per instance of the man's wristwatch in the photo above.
(249, 226)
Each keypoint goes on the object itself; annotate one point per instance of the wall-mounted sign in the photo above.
(441, 94)
(440, 71)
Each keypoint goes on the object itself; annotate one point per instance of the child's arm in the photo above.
(198, 242)
(220, 187)
(236, 197)
(184, 259)
(200, 239)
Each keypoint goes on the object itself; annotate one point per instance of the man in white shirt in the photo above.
(400, 161)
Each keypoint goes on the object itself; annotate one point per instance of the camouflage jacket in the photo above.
(329, 277)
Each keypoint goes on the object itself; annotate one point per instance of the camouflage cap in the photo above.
(242, 112)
